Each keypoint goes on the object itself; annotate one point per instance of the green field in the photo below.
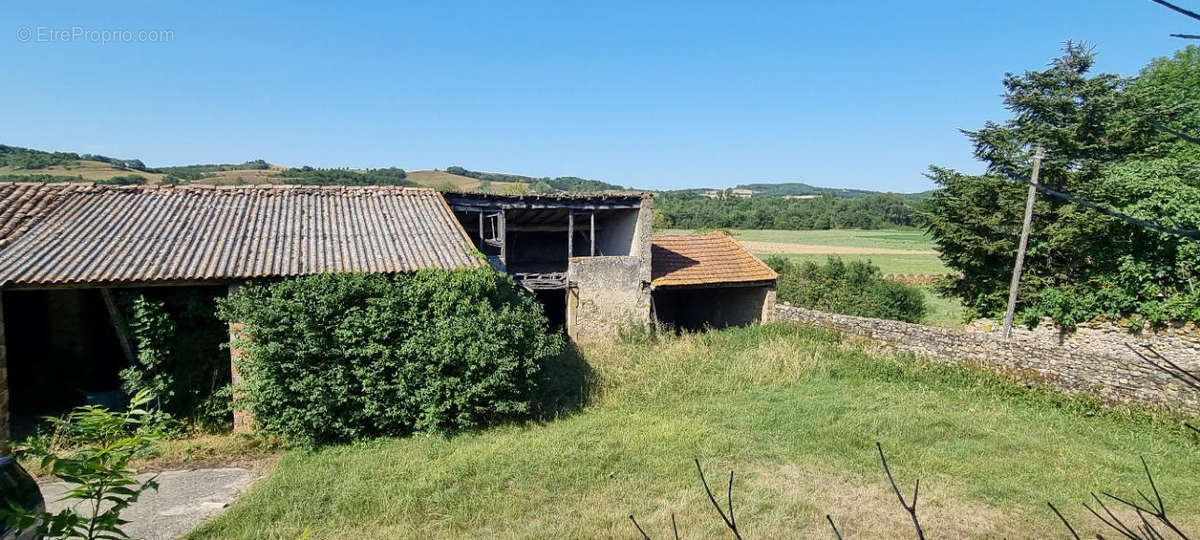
(888, 264)
(793, 411)
(858, 245)
(891, 239)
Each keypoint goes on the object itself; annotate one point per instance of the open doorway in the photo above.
(61, 351)
(698, 308)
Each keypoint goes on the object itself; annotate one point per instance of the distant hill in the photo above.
(25, 164)
(543, 184)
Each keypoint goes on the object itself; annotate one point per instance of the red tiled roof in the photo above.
(698, 259)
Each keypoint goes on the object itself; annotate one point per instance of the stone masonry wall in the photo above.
(606, 294)
(1094, 358)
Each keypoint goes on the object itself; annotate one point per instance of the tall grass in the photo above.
(793, 410)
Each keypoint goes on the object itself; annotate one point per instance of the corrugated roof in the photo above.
(698, 259)
(64, 234)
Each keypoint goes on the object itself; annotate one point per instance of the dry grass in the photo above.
(246, 176)
(440, 179)
(212, 451)
(89, 170)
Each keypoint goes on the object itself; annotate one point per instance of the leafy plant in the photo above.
(850, 288)
(180, 361)
(340, 357)
(100, 445)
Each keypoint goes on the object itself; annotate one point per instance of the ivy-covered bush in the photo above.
(853, 288)
(181, 359)
(338, 357)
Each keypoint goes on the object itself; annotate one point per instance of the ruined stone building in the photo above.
(591, 260)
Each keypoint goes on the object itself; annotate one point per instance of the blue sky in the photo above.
(861, 94)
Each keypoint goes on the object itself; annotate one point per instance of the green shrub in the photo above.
(853, 288)
(340, 357)
(181, 359)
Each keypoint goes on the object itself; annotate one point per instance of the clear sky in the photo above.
(841, 94)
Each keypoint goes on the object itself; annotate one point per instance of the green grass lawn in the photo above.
(888, 264)
(794, 411)
(942, 311)
(887, 238)
(892, 239)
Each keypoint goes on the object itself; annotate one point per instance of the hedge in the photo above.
(337, 357)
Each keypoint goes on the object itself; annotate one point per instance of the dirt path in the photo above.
(184, 500)
(806, 249)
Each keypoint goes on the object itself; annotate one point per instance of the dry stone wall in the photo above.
(1093, 358)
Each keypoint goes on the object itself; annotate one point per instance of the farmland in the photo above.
(794, 411)
(893, 251)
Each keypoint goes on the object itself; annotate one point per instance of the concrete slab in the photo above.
(184, 500)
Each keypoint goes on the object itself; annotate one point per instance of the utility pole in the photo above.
(1016, 276)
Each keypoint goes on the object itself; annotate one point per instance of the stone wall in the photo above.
(606, 294)
(1094, 358)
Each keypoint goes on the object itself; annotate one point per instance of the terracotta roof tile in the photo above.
(697, 259)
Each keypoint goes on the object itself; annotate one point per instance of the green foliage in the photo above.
(539, 185)
(200, 172)
(126, 180)
(1102, 140)
(347, 356)
(25, 158)
(181, 364)
(97, 464)
(45, 178)
(346, 177)
(692, 211)
(854, 288)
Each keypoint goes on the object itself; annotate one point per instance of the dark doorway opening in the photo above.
(554, 305)
(61, 349)
(699, 308)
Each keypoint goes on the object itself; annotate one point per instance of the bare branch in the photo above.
(912, 510)
(674, 527)
(1116, 524)
(1177, 9)
(834, 527)
(1157, 507)
(639, 527)
(1185, 36)
(1196, 380)
(727, 519)
(1064, 520)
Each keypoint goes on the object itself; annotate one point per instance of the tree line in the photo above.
(684, 210)
(539, 185)
(391, 176)
(29, 159)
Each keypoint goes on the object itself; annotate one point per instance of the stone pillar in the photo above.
(242, 418)
(768, 307)
(5, 434)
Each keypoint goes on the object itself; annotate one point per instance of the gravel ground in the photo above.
(184, 500)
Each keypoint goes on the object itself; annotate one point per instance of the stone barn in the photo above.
(709, 280)
(585, 256)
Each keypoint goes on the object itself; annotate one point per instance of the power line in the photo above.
(1191, 234)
